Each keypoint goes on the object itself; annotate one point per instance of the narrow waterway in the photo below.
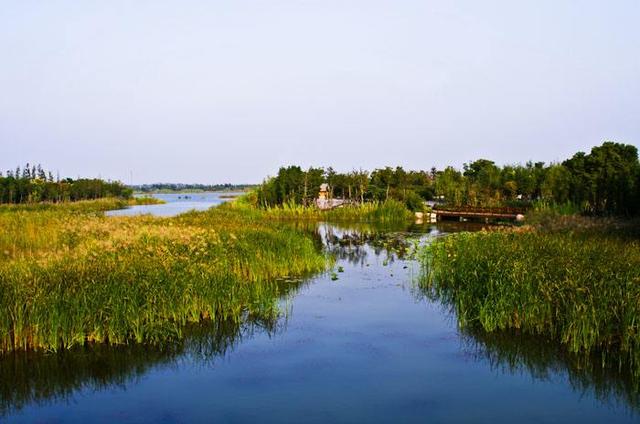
(177, 203)
(359, 343)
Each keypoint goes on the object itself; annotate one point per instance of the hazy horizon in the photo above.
(196, 92)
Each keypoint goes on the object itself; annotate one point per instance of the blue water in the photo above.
(368, 347)
(176, 203)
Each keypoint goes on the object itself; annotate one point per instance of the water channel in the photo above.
(359, 343)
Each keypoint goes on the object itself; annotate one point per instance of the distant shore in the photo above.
(185, 191)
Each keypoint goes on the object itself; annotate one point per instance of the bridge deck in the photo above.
(486, 213)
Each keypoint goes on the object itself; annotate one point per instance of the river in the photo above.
(177, 203)
(360, 343)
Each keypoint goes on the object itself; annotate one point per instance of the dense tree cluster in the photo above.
(33, 184)
(607, 180)
(294, 185)
(604, 181)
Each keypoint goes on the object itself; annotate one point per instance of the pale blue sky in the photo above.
(216, 91)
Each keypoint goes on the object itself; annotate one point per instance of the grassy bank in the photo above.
(145, 200)
(69, 275)
(577, 281)
(389, 211)
(82, 206)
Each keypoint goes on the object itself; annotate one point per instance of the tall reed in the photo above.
(70, 278)
(580, 287)
(389, 211)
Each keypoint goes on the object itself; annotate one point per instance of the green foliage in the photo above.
(32, 185)
(294, 186)
(68, 277)
(556, 187)
(145, 200)
(604, 182)
(81, 206)
(390, 211)
(291, 185)
(607, 179)
(414, 202)
(578, 284)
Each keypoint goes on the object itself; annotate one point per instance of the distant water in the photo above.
(177, 203)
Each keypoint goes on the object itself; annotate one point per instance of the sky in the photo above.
(229, 91)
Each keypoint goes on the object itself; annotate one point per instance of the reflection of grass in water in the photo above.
(68, 276)
(390, 240)
(544, 359)
(576, 285)
(349, 245)
(28, 378)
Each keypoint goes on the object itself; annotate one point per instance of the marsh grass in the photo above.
(575, 283)
(390, 211)
(82, 206)
(70, 276)
(145, 200)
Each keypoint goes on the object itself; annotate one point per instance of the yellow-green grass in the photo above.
(82, 206)
(578, 285)
(389, 211)
(145, 200)
(69, 277)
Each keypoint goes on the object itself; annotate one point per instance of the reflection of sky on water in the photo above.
(176, 203)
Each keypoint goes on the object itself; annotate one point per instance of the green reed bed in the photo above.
(82, 206)
(578, 285)
(381, 212)
(67, 278)
(145, 200)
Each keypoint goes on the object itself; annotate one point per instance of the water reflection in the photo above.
(28, 378)
(176, 203)
(352, 244)
(509, 352)
(541, 358)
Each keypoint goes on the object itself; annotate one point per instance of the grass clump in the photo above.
(81, 206)
(145, 200)
(69, 278)
(389, 211)
(577, 284)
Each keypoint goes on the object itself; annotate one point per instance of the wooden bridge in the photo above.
(471, 212)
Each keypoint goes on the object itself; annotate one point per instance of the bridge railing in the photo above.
(506, 210)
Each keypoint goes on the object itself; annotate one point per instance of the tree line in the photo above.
(604, 181)
(31, 184)
(180, 187)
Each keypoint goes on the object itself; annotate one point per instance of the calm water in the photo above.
(177, 203)
(367, 347)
